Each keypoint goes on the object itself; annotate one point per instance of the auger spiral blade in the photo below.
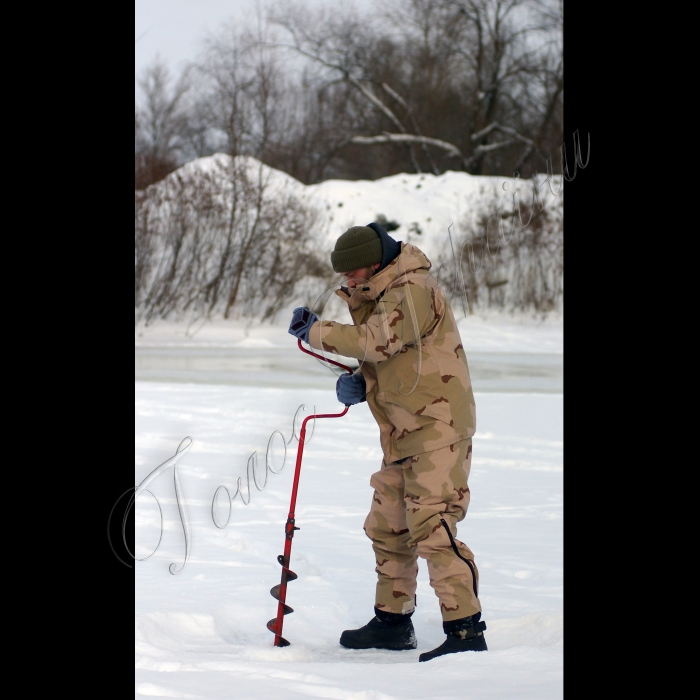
(280, 641)
(275, 593)
(275, 625)
(287, 574)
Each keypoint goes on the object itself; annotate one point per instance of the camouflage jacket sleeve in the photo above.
(402, 316)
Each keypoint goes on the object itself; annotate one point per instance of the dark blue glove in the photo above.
(302, 320)
(351, 389)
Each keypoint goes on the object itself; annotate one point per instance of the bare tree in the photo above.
(160, 123)
(451, 67)
(339, 44)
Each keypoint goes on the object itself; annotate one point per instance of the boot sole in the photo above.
(375, 646)
(390, 647)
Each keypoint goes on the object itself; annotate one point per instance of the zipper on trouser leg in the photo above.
(466, 561)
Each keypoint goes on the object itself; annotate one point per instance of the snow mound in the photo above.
(424, 205)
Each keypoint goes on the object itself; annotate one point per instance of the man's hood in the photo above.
(390, 247)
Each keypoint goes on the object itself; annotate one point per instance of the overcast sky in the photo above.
(174, 28)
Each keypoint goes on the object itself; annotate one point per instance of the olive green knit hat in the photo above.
(359, 246)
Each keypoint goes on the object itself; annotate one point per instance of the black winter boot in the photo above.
(385, 631)
(462, 635)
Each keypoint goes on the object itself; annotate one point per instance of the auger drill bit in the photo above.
(279, 592)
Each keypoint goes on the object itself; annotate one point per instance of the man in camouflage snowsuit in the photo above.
(414, 376)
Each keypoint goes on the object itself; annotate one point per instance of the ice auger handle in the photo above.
(325, 359)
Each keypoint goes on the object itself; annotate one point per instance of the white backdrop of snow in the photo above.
(202, 634)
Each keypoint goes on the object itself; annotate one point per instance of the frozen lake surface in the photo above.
(504, 355)
(272, 367)
(203, 632)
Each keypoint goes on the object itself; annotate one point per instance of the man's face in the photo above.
(355, 277)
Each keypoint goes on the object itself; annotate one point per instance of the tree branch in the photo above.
(451, 149)
(402, 102)
(495, 126)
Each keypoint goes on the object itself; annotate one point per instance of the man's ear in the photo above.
(376, 266)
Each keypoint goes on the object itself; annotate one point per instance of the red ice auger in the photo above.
(280, 590)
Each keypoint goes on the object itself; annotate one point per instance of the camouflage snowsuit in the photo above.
(419, 391)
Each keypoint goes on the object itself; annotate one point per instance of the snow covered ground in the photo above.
(202, 633)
